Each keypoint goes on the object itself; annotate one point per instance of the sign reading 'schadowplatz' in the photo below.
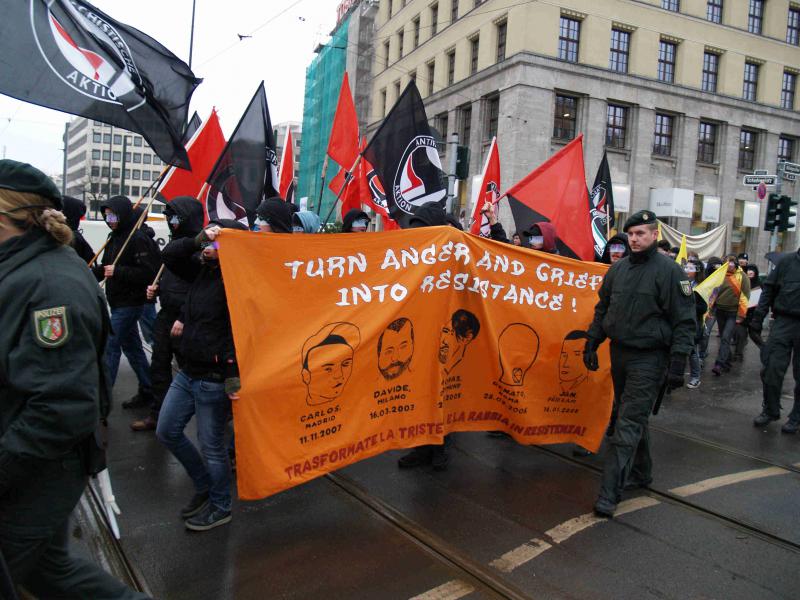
(351, 345)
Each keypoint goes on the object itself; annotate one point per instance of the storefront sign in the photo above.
(710, 212)
(672, 202)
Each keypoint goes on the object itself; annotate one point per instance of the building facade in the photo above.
(297, 139)
(686, 96)
(104, 161)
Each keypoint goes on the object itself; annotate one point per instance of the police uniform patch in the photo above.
(686, 288)
(51, 326)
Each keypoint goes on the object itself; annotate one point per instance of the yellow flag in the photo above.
(660, 237)
(682, 252)
(712, 282)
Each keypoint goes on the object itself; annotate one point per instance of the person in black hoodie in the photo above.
(616, 248)
(126, 287)
(208, 379)
(74, 210)
(355, 221)
(148, 319)
(184, 217)
(274, 215)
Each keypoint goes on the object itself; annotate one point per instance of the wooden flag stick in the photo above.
(322, 184)
(348, 177)
(158, 275)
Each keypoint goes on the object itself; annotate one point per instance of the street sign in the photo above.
(761, 190)
(761, 172)
(790, 168)
(789, 177)
(756, 179)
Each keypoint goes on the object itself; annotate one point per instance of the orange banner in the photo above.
(350, 345)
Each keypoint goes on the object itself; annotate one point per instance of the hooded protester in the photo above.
(53, 328)
(74, 210)
(126, 289)
(184, 216)
(454, 222)
(616, 248)
(542, 236)
(305, 221)
(274, 215)
(730, 309)
(355, 221)
(695, 274)
(208, 379)
(148, 318)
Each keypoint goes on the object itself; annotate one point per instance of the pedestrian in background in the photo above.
(730, 308)
(695, 273)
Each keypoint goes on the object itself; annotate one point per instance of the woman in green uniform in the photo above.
(53, 327)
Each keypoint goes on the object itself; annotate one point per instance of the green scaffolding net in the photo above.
(323, 80)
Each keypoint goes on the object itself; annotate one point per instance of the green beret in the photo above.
(22, 177)
(643, 217)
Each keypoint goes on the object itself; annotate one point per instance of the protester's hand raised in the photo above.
(177, 329)
(212, 232)
(108, 271)
(488, 210)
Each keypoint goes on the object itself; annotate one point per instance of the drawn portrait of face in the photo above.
(518, 347)
(571, 370)
(456, 335)
(328, 362)
(396, 348)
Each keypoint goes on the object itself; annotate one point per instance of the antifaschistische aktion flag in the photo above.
(247, 170)
(404, 155)
(488, 192)
(286, 171)
(601, 206)
(69, 56)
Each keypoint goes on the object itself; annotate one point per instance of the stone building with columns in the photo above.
(686, 96)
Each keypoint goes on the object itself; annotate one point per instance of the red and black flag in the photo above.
(404, 155)
(191, 128)
(556, 192)
(286, 172)
(70, 56)
(601, 207)
(489, 191)
(247, 170)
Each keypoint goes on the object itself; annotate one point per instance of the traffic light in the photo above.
(786, 219)
(462, 162)
(773, 212)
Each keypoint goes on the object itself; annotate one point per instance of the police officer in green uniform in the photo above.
(647, 311)
(53, 327)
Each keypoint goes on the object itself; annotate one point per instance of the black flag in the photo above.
(191, 128)
(404, 155)
(601, 206)
(69, 56)
(246, 171)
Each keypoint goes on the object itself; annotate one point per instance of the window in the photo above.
(662, 141)
(106, 138)
(135, 190)
(454, 11)
(137, 158)
(97, 137)
(396, 90)
(706, 142)
(502, 32)
(710, 71)
(785, 149)
(117, 156)
(451, 67)
(386, 54)
(127, 157)
(750, 88)
(383, 102)
(431, 76)
(127, 173)
(616, 125)
(146, 159)
(434, 18)
(146, 175)
(465, 124)
(755, 16)
(714, 11)
(565, 119)
(440, 123)
(137, 141)
(620, 45)
(673, 5)
(137, 174)
(400, 35)
(568, 38)
(115, 188)
(104, 172)
(474, 47)
(156, 175)
(95, 171)
(666, 61)
(117, 139)
(115, 172)
(787, 90)
(95, 154)
(793, 27)
(492, 116)
(412, 77)
(747, 150)
(415, 24)
(106, 154)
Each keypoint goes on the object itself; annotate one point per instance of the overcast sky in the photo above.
(284, 34)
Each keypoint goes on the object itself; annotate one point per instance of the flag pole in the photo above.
(347, 179)
(158, 275)
(138, 202)
(322, 184)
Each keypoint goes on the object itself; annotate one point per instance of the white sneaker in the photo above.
(693, 384)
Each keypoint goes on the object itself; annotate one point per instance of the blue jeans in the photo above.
(147, 320)
(125, 338)
(694, 364)
(207, 399)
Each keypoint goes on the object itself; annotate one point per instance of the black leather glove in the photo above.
(677, 367)
(756, 324)
(590, 355)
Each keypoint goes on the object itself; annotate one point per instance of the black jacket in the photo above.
(74, 210)
(172, 288)
(139, 263)
(781, 290)
(618, 238)
(207, 341)
(646, 303)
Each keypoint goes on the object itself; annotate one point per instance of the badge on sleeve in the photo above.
(51, 326)
(686, 287)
